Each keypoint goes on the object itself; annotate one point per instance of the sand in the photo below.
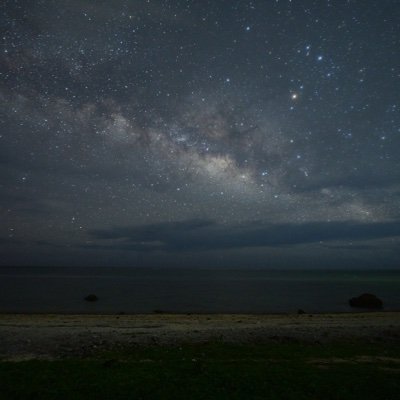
(57, 336)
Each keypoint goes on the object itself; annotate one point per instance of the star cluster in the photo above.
(132, 132)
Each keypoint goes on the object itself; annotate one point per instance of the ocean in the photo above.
(147, 290)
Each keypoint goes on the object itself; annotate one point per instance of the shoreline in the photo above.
(189, 313)
(49, 336)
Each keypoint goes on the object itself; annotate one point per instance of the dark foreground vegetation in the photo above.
(213, 371)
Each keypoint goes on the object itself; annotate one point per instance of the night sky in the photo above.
(200, 133)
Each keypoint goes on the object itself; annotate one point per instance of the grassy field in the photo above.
(213, 371)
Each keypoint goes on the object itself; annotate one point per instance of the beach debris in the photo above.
(91, 297)
(366, 300)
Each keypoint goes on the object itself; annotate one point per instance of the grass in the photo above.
(213, 371)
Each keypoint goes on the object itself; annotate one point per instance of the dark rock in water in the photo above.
(366, 300)
(91, 297)
(300, 311)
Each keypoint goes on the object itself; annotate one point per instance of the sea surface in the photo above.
(146, 290)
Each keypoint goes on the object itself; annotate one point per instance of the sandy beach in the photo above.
(25, 336)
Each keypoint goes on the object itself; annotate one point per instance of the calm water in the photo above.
(232, 291)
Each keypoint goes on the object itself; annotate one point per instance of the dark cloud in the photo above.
(198, 235)
(352, 247)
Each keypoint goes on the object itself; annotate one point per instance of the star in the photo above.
(158, 114)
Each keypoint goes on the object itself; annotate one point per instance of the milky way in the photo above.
(210, 133)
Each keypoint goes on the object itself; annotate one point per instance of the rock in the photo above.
(91, 297)
(300, 311)
(366, 300)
